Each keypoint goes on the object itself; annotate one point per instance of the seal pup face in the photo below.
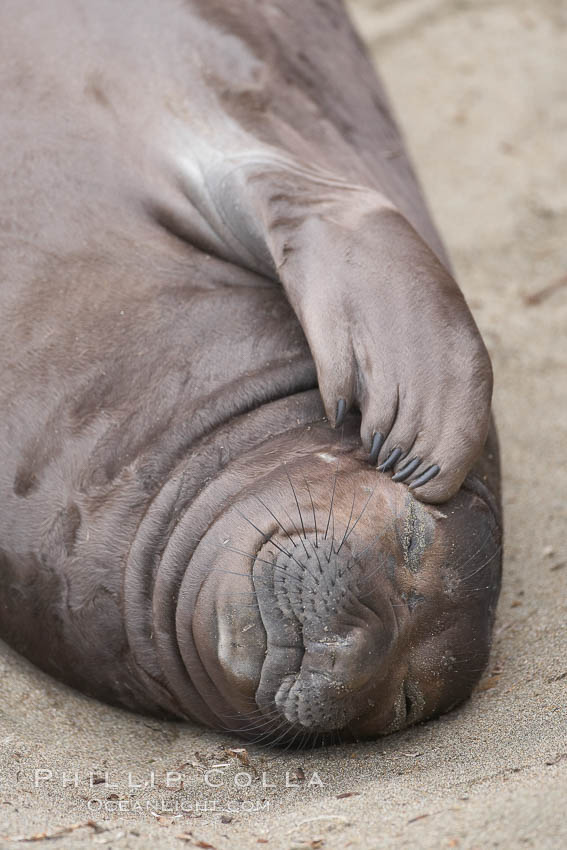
(356, 609)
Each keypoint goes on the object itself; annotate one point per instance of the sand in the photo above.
(481, 90)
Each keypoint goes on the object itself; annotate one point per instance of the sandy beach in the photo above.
(480, 88)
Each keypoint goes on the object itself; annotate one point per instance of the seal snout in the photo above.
(327, 646)
(334, 676)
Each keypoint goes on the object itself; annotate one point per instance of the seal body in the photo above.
(181, 530)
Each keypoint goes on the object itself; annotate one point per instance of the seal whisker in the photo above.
(260, 729)
(290, 744)
(252, 714)
(232, 573)
(358, 555)
(313, 509)
(268, 537)
(259, 726)
(332, 500)
(264, 727)
(375, 571)
(310, 740)
(360, 515)
(245, 575)
(487, 536)
(283, 528)
(314, 521)
(304, 567)
(348, 523)
(249, 732)
(286, 742)
(249, 521)
(482, 566)
(361, 594)
(255, 558)
(256, 593)
(275, 580)
(269, 714)
(332, 546)
(297, 503)
(267, 737)
(290, 518)
(281, 726)
(317, 738)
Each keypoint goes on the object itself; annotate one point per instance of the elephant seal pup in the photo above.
(214, 249)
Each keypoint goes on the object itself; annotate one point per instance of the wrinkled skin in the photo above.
(214, 250)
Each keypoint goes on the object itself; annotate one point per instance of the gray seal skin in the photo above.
(247, 471)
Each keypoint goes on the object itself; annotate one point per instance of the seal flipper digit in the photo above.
(373, 301)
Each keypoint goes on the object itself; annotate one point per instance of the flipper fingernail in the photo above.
(390, 461)
(341, 413)
(377, 443)
(407, 470)
(427, 476)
